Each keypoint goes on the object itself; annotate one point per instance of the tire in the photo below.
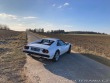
(69, 50)
(56, 56)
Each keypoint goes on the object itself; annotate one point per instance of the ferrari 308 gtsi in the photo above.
(50, 48)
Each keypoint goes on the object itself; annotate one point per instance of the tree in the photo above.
(4, 27)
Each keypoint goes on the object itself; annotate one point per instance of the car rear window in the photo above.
(46, 42)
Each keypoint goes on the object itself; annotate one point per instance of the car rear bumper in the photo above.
(42, 55)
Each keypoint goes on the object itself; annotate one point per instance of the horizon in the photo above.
(71, 15)
(98, 33)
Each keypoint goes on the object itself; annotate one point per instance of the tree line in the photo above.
(39, 30)
(84, 32)
(4, 27)
(56, 31)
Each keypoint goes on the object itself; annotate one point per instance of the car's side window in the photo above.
(60, 43)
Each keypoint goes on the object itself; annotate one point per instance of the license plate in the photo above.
(35, 49)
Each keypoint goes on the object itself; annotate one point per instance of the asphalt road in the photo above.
(71, 68)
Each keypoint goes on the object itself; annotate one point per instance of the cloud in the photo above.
(4, 15)
(29, 17)
(68, 26)
(10, 16)
(60, 6)
(20, 24)
(17, 27)
(51, 26)
(16, 22)
(54, 5)
(64, 5)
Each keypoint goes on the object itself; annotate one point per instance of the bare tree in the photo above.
(4, 27)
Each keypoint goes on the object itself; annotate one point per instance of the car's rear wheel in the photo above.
(69, 50)
(56, 56)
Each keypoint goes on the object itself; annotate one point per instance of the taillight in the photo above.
(45, 51)
(26, 47)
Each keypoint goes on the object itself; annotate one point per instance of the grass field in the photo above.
(12, 58)
(96, 47)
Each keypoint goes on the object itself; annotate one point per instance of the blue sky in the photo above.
(70, 15)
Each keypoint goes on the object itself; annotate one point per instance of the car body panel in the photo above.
(39, 45)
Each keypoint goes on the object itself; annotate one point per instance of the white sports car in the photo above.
(50, 48)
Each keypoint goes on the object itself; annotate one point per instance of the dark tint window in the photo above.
(46, 42)
(60, 43)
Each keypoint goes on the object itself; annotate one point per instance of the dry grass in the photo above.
(12, 59)
(100, 59)
(96, 47)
